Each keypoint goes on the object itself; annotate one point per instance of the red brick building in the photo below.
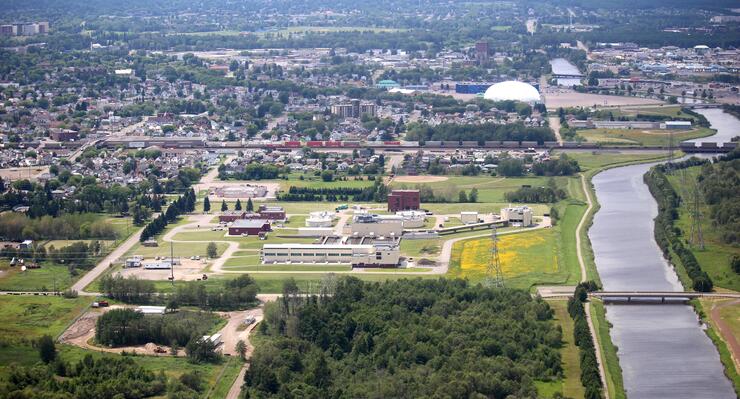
(250, 227)
(271, 212)
(403, 200)
(232, 216)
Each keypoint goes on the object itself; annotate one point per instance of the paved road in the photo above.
(104, 264)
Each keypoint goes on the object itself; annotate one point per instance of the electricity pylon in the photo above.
(696, 237)
(494, 276)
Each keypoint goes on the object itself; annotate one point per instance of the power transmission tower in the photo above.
(494, 277)
(696, 237)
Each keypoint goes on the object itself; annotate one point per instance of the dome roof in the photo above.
(512, 90)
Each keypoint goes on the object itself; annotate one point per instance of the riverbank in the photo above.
(682, 364)
(593, 164)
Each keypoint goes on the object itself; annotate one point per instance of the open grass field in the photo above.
(490, 189)
(46, 278)
(182, 249)
(599, 159)
(716, 255)
(24, 319)
(570, 386)
(655, 137)
(526, 258)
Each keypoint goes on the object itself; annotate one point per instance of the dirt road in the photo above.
(725, 331)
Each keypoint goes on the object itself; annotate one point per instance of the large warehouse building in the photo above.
(370, 225)
(373, 255)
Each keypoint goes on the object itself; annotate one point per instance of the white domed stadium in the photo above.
(512, 90)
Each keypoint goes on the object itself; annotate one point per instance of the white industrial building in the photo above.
(368, 225)
(519, 215)
(362, 255)
(320, 219)
(469, 217)
(412, 219)
(151, 309)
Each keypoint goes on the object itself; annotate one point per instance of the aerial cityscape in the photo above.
(243, 199)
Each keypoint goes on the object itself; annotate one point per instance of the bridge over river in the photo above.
(654, 296)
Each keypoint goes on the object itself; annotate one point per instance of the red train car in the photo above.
(392, 143)
(332, 144)
(315, 144)
(292, 144)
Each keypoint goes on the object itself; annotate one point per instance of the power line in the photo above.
(494, 276)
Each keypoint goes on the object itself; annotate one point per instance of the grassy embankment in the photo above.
(591, 164)
(730, 315)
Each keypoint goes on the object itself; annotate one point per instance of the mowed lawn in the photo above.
(716, 256)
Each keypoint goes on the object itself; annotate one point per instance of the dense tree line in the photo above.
(590, 375)
(97, 378)
(319, 194)
(253, 171)
(719, 183)
(667, 235)
(479, 133)
(232, 294)
(17, 227)
(183, 204)
(535, 195)
(407, 338)
(127, 327)
(560, 166)
(378, 192)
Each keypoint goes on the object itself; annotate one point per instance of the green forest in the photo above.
(406, 338)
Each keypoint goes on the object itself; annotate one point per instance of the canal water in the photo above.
(726, 124)
(663, 351)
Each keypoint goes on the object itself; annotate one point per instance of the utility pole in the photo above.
(172, 263)
(494, 276)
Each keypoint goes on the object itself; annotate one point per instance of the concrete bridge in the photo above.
(703, 106)
(654, 296)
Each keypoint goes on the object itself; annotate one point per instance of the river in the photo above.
(663, 351)
(727, 126)
(561, 66)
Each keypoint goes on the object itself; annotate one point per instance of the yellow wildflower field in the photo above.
(524, 254)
